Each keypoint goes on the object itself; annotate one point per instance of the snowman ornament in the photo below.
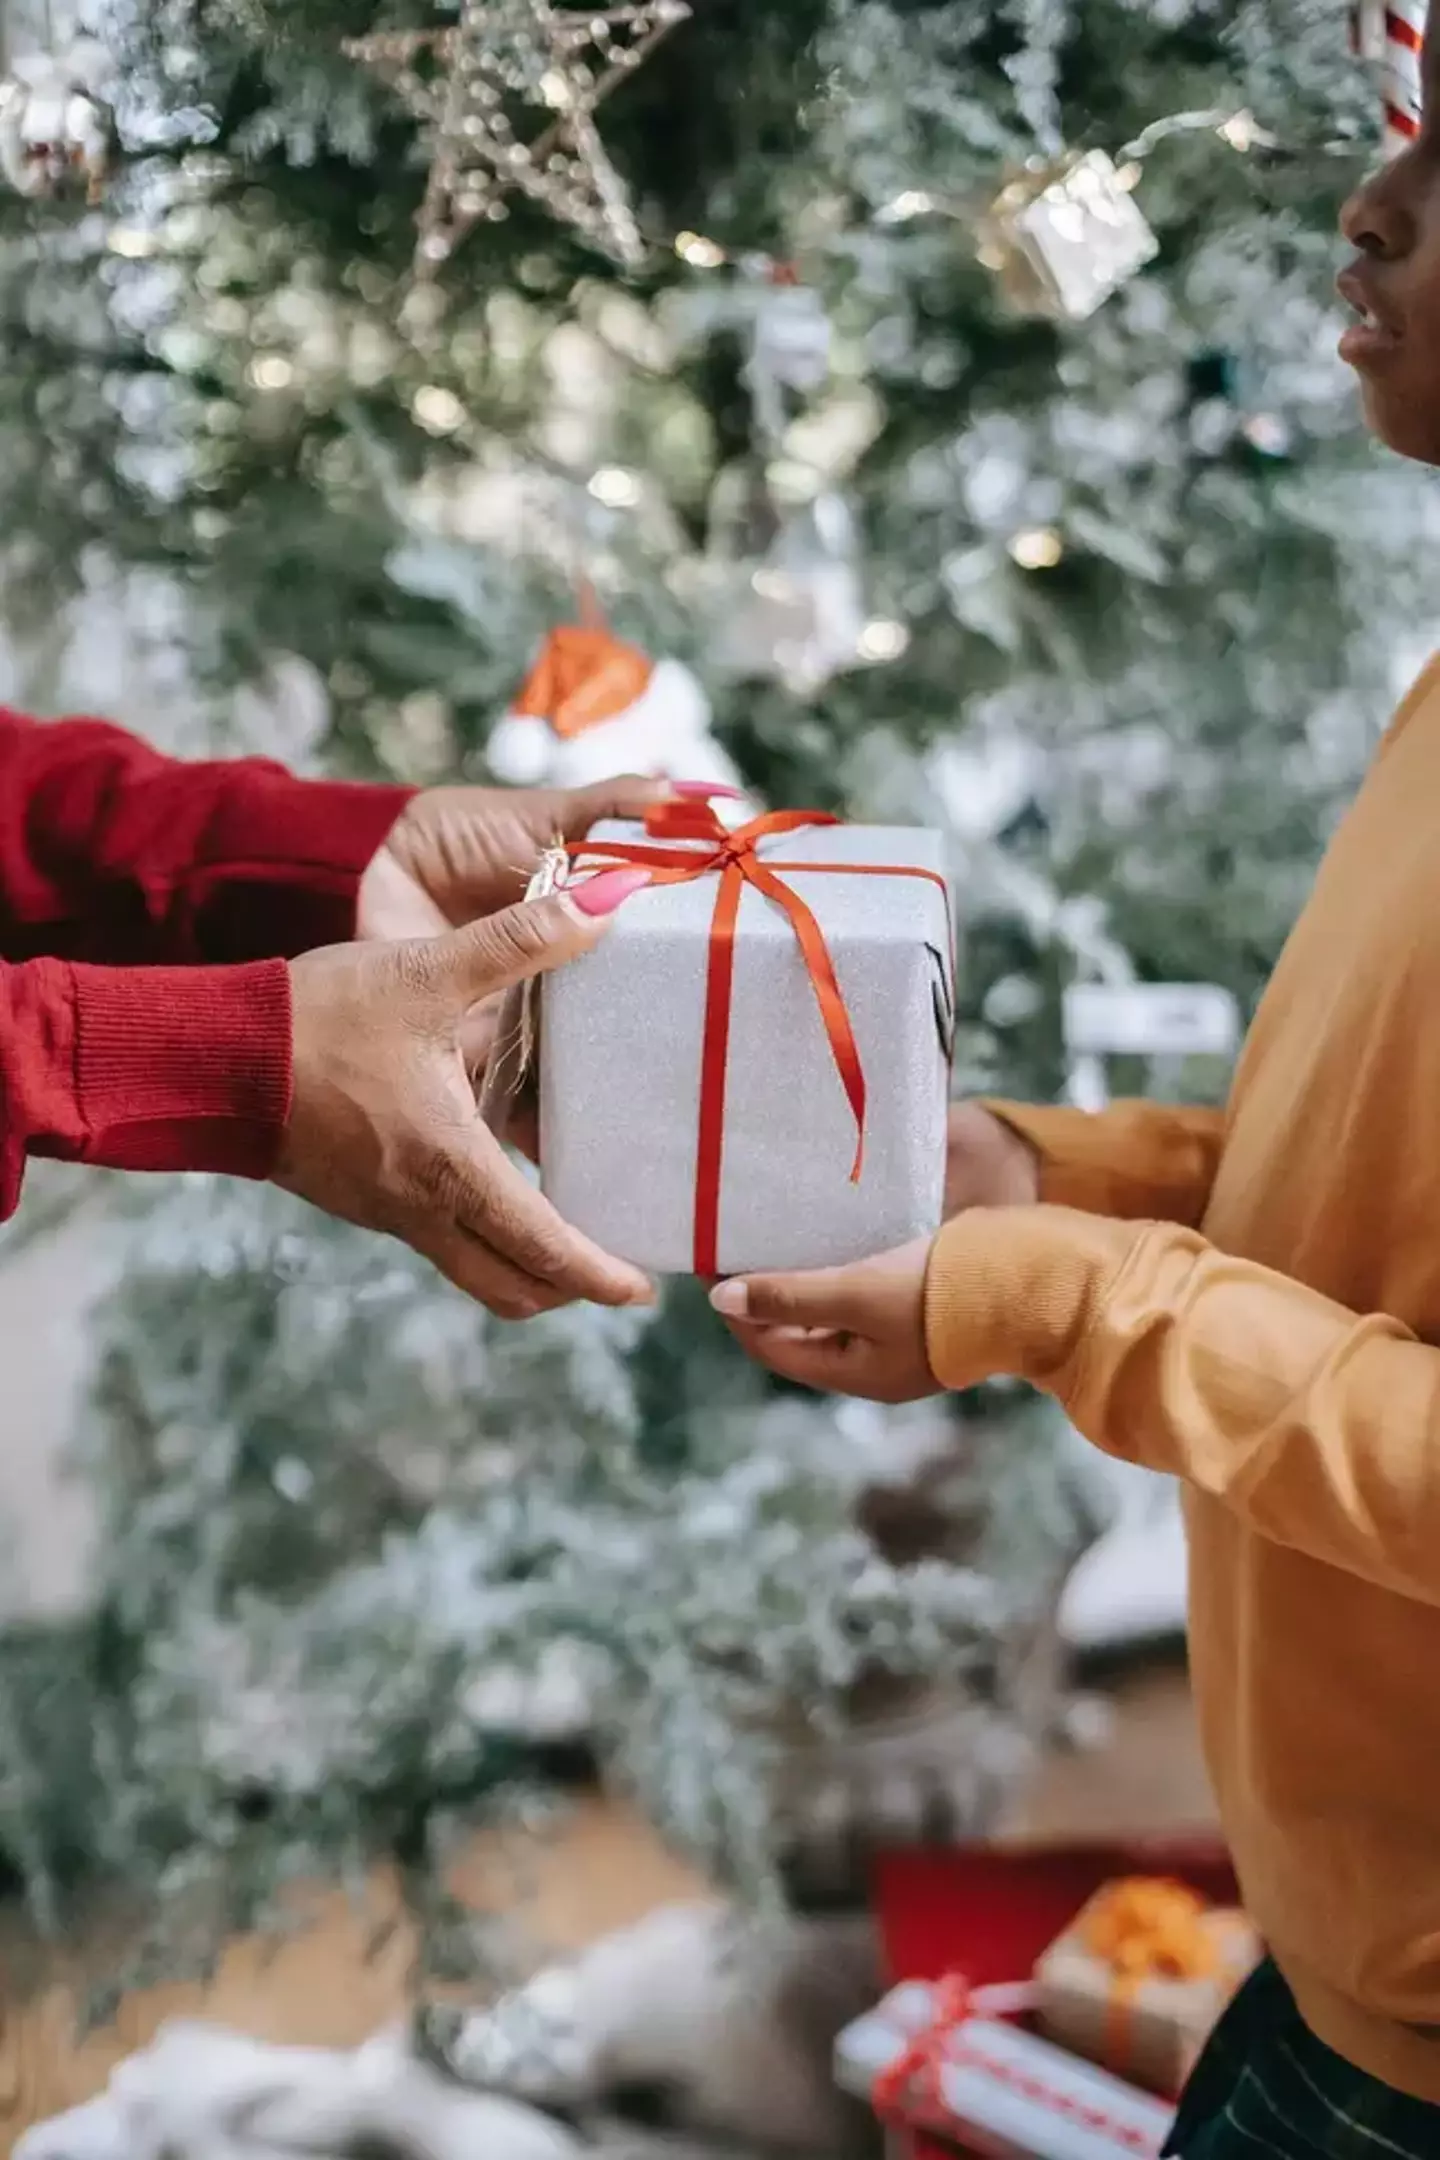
(593, 708)
(56, 131)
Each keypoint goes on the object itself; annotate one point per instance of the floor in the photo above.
(1141, 1774)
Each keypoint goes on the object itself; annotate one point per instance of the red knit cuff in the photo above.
(183, 1068)
(282, 863)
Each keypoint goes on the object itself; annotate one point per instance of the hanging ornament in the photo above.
(509, 95)
(594, 708)
(798, 611)
(1390, 37)
(789, 348)
(1064, 235)
(56, 132)
(782, 541)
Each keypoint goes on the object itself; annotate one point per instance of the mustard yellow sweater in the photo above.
(1252, 1302)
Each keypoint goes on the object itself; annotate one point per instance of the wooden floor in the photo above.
(603, 1871)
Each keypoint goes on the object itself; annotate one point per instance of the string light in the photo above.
(700, 253)
(616, 488)
(438, 411)
(1039, 547)
(271, 371)
(132, 245)
(883, 639)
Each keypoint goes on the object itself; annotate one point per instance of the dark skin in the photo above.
(861, 1330)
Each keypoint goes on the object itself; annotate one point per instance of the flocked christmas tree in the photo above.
(754, 347)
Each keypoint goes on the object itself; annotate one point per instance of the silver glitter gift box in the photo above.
(627, 1038)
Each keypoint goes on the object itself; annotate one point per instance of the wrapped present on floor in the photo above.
(950, 2066)
(1139, 1978)
(752, 1070)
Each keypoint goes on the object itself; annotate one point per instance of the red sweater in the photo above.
(147, 909)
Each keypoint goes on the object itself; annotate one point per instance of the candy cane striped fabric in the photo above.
(1389, 37)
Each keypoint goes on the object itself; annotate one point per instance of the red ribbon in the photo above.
(910, 2091)
(733, 858)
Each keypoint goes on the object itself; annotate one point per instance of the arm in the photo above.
(1135, 1160)
(143, 1068)
(111, 852)
(1319, 1428)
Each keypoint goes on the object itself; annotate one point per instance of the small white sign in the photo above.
(1150, 1020)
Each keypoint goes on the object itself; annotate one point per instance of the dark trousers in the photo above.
(1265, 2084)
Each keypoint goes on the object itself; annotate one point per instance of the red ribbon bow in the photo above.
(733, 857)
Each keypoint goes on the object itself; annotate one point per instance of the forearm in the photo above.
(111, 852)
(142, 1068)
(1320, 1428)
(1137, 1161)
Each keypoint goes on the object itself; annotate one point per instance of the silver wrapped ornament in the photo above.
(56, 131)
(800, 614)
(1063, 236)
(789, 348)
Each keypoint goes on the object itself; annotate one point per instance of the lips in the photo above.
(1375, 334)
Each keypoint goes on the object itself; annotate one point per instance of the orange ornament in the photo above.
(583, 676)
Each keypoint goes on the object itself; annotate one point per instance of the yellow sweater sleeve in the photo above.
(1319, 1428)
(1136, 1160)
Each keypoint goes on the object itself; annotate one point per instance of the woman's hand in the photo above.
(383, 1127)
(457, 853)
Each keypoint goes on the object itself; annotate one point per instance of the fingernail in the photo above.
(610, 890)
(697, 790)
(731, 1300)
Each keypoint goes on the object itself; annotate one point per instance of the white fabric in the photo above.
(732, 2021)
(201, 2093)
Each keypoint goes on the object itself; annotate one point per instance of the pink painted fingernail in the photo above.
(610, 890)
(699, 789)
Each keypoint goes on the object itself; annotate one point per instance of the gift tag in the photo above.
(515, 1055)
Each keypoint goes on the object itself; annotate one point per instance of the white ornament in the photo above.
(789, 351)
(663, 733)
(803, 617)
(55, 129)
(1063, 236)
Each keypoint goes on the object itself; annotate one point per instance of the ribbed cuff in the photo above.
(1132, 1160)
(282, 863)
(183, 1068)
(1015, 1291)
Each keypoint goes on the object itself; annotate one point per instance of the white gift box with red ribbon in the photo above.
(953, 2065)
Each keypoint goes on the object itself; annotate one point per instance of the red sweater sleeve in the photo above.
(110, 852)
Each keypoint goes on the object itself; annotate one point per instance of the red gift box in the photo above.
(992, 1913)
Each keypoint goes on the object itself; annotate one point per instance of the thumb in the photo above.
(530, 938)
(825, 1298)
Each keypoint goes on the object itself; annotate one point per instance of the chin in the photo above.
(1409, 425)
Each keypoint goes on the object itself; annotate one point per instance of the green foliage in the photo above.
(337, 1501)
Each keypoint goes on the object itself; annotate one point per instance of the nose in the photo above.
(1378, 221)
